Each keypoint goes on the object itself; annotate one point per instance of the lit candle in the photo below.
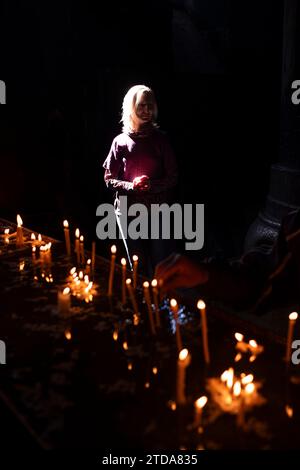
(88, 266)
(93, 257)
(67, 237)
(123, 263)
(292, 320)
(135, 260)
(64, 301)
(174, 308)
(149, 306)
(77, 246)
(6, 239)
(201, 306)
(184, 360)
(112, 269)
(81, 239)
(199, 405)
(20, 238)
(155, 297)
(132, 297)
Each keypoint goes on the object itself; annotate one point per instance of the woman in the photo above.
(142, 165)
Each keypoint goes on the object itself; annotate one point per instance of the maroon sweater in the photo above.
(134, 155)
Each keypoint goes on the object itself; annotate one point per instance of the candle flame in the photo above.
(115, 335)
(230, 377)
(146, 284)
(125, 345)
(293, 316)
(201, 305)
(66, 224)
(6, 231)
(173, 303)
(86, 279)
(135, 258)
(66, 291)
(239, 336)
(68, 335)
(123, 262)
(73, 270)
(129, 366)
(34, 249)
(80, 274)
(237, 388)
(39, 237)
(172, 405)
(250, 388)
(253, 343)
(77, 233)
(147, 385)
(247, 379)
(252, 358)
(154, 283)
(154, 370)
(81, 238)
(183, 354)
(33, 237)
(19, 221)
(89, 261)
(238, 357)
(289, 411)
(224, 376)
(128, 281)
(113, 249)
(21, 265)
(201, 402)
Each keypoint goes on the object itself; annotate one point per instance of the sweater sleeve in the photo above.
(170, 170)
(113, 170)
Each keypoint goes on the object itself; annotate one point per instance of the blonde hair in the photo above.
(129, 107)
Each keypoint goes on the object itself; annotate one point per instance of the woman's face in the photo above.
(144, 108)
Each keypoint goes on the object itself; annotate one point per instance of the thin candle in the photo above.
(199, 405)
(123, 263)
(64, 301)
(184, 360)
(155, 297)
(81, 240)
(174, 307)
(149, 306)
(292, 320)
(20, 238)
(77, 245)
(67, 237)
(112, 269)
(202, 307)
(135, 260)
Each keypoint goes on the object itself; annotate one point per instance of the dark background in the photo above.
(215, 67)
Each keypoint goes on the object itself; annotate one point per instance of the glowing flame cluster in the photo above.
(80, 285)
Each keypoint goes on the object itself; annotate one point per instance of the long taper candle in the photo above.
(149, 306)
(202, 307)
(67, 237)
(77, 245)
(292, 320)
(184, 360)
(81, 241)
(155, 298)
(112, 269)
(135, 260)
(199, 405)
(123, 263)
(20, 238)
(174, 307)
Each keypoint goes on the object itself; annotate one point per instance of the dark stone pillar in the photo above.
(284, 190)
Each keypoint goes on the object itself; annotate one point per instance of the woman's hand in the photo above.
(141, 183)
(179, 271)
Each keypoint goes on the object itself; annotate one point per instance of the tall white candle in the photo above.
(112, 269)
(20, 238)
(174, 307)
(132, 297)
(67, 237)
(77, 245)
(199, 405)
(135, 260)
(64, 301)
(184, 360)
(81, 240)
(155, 298)
(202, 307)
(149, 306)
(123, 263)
